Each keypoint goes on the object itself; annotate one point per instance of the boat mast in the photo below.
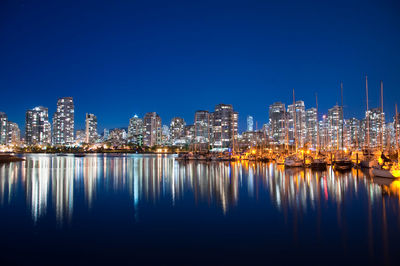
(341, 92)
(382, 117)
(286, 130)
(396, 127)
(366, 91)
(294, 121)
(316, 103)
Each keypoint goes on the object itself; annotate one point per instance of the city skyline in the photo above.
(216, 128)
(193, 57)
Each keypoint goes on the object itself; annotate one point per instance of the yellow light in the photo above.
(395, 171)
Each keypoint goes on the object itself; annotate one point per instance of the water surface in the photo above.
(144, 209)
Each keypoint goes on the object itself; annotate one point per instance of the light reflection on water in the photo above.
(55, 186)
(53, 180)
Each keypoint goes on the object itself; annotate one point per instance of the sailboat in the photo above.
(384, 169)
(318, 163)
(293, 160)
(342, 162)
(368, 160)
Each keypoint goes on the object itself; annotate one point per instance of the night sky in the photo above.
(120, 58)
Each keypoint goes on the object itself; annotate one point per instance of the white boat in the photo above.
(293, 161)
(378, 171)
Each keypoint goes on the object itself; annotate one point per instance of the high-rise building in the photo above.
(335, 127)
(118, 136)
(13, 133)
(299, 135)
(225, 126)
(135, 130)
(63, 122)
(250, 123)
(166, 136)
(177, 130)
(202, 126)
(91, 128)
(189, 134)
(152, 129)
(353, 133)
(324, 138)
(37, 126)
(135, 126)
(376, 121)
(277, 122)
(106, 134)
(311, 127)
(3, 128)
(80, 136)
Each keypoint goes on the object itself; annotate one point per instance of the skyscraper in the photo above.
(300, 134)
(152, 129)
(202, 126)
(353, 133)
(177, 129)
(3, 128)
(376, 127)
(225, 126)
(335, 126)
(189, 134)
(63, 122)
(13, 133)
(91, 128)
(250, 123)
(135, 130)
(277, 122)
(37, 126)
(311, 127)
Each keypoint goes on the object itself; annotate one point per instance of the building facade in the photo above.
(177, 130)
(298, 135)
(152, 129)
(63, 122)
(13, 133)
(277, 122)
(203, 127)
(37, 126)
(250, 123)
(91, 128)
(3, 128)
(311, 127)
(225, 126)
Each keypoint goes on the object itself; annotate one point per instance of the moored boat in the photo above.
(343, 164)
(318, 164)
(293, 161)
(379, 171)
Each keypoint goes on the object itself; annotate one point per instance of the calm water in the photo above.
(144, 209)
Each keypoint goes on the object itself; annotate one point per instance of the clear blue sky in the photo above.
(120, 58)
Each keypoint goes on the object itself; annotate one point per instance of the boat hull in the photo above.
(367, 163)
(291, 163)
(382, 173)
(343, 165)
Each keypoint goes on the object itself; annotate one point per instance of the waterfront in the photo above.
(154, 209)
